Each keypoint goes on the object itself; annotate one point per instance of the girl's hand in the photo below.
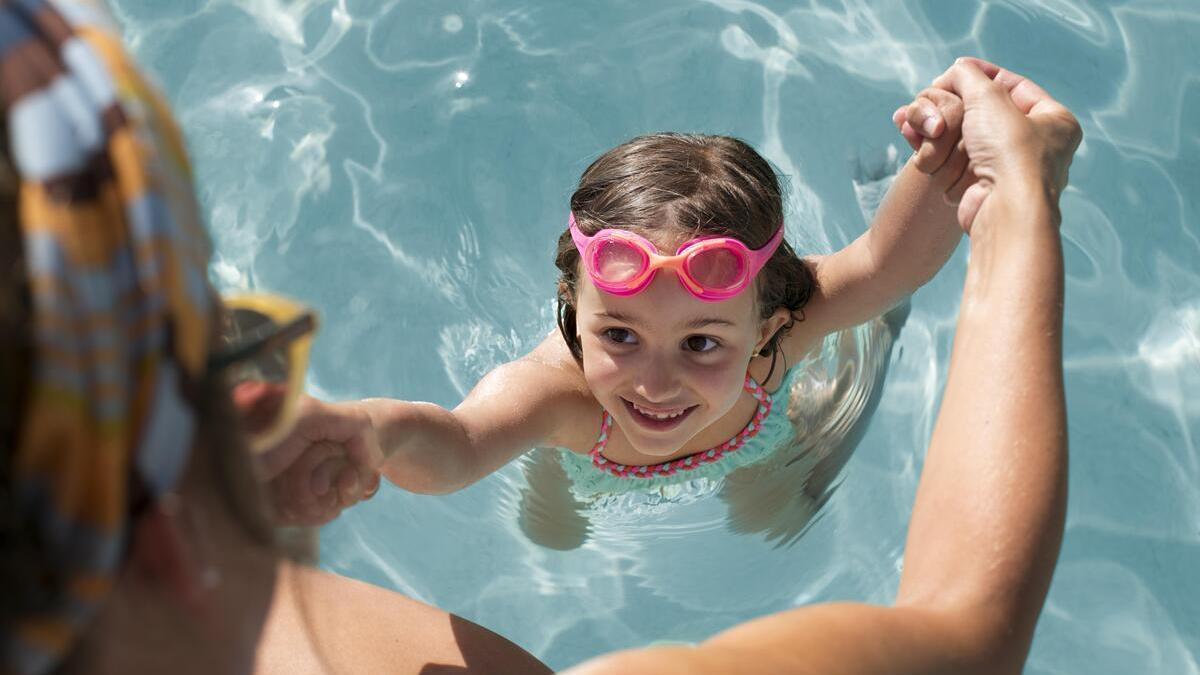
(932, 125)
(330, 460)
(1017, 138)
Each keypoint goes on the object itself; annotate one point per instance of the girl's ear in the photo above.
(770, 326)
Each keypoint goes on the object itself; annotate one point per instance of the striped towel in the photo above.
(122, 310)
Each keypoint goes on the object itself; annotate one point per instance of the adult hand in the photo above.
(1017, 138)
(329, 461)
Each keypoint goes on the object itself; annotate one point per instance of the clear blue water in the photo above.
(405, 167)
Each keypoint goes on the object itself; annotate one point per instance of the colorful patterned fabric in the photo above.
(122, 310)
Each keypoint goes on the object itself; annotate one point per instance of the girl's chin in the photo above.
(657, 450)
(655, 445)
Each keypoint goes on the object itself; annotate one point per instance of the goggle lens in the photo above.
(718, 269)
(617, 261)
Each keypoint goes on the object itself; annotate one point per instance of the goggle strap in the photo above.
(581, 240)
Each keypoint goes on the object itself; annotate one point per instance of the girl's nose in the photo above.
(657, 381)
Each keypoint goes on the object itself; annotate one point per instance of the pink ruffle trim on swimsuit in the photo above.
(692, 461)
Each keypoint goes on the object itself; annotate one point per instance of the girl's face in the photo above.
(663, 363)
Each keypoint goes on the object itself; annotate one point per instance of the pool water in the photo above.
(406, 167)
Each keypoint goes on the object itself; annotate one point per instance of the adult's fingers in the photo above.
(305, 483)
(1029, 98)
(274, 461)
(312, 416)
(970, 82)
(326, 475)
(1026, 95)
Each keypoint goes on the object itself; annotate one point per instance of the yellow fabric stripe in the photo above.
(88, 485)
(89, 232)
(129, 82)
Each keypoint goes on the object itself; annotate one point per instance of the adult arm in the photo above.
(322, 623)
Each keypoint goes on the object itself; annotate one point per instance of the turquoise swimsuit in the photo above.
(769, 433)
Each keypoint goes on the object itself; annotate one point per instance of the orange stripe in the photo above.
(130, 82)
(129, 157)
(88, 484)
(90, 233)
(47, 634)
(91, 588)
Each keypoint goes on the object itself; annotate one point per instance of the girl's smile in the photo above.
(657, 419)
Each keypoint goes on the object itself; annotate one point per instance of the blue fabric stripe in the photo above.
(30, 6)
(85, 14)
(54, 130)
(79, 546)
(94, 80)
(163, 450)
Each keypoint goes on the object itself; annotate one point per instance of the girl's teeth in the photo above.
(657, 415)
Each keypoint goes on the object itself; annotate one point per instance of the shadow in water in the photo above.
(830, 408)
(484, 652)
(549, 514)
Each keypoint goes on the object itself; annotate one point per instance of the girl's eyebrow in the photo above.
(692, 324)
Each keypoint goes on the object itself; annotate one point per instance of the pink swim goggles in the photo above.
(710, 268)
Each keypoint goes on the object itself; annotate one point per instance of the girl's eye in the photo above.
(622, 336)
(700, 343)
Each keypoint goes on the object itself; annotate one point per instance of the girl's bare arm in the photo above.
(539, 399)
(912, 235)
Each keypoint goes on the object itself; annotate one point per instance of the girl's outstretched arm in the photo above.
(913, 233)
(539, 399)
(336, 452)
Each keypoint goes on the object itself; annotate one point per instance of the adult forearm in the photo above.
(425, 447)
(988, 518)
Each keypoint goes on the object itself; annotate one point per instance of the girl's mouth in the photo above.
(657, 420)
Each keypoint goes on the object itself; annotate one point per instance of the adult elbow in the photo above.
(987, 640)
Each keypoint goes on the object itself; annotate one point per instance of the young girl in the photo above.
(681, 308)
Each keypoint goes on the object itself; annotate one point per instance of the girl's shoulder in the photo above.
(555, 379)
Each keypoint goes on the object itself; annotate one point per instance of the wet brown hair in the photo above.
(671, 187)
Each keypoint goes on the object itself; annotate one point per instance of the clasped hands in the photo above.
(980, 128)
